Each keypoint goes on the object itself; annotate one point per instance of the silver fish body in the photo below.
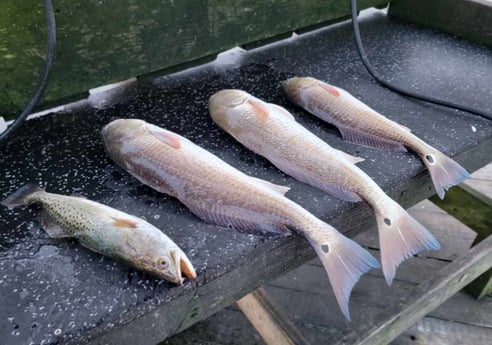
(222, 195)
(107, 231)
(271, 131)
(362, 125)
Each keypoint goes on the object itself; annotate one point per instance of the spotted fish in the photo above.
(107, 231)
(222, 195)
(271, 131)
(362, 125)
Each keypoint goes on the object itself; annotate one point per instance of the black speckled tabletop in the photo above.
(56, 291)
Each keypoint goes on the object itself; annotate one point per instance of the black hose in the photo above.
(48, 63)
(377, 76)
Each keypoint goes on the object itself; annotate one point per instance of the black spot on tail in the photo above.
(325, 248)
(387, 221)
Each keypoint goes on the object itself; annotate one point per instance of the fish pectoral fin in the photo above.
(260, 108)
(239, 219)
(52, 228)
(282, 190)
(330, 88)
(365, 139)
(281, 110)
(123, 222)
(165, 136)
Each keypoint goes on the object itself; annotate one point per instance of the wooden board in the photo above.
(480, 185)
(103, 42)
(269, 320)
(427, 297)
(432, 331)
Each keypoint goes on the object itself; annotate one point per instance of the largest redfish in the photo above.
(272, 132)
(362, 125)
(220, 194)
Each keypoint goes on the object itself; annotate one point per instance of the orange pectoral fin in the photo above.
(124, 223)
(166, 137)
(260, 109)
(331, 89)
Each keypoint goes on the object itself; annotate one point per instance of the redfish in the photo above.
(271, 131)
(362, 125)
(220, 194)
(107, 231)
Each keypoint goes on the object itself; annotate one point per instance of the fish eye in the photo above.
(163, 263)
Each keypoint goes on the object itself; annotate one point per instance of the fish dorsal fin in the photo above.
(275, 187)
(260, 108)
(52, 228)
(361, 138)
(165, 136)
(281, 110)
(124, 222)
(350, 158)
(330, 88)
(405, 128)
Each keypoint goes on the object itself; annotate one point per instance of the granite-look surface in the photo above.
(56, 291)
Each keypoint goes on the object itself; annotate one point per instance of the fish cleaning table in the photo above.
(55, 291)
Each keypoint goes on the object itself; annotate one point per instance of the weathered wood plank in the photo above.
(223, 328)
(473, 212)
(466, 18)
(102, 42)
(480, 185)
(270, 322)
(371, 297)
(432, 331)
(428, 296)
(478, 216)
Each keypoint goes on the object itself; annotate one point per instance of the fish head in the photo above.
(117, 136)
(169, 264)
(233, 109)
(293, 86)
(121, 129)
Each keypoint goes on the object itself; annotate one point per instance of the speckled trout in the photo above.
(222, 195)
(107, 231)
(271, 131)
(362, 125)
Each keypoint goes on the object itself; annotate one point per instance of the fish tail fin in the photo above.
(400, 237)
(344, 262)
(21, 195)
(444, 171)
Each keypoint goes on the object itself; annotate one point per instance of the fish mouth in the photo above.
(183, 266)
